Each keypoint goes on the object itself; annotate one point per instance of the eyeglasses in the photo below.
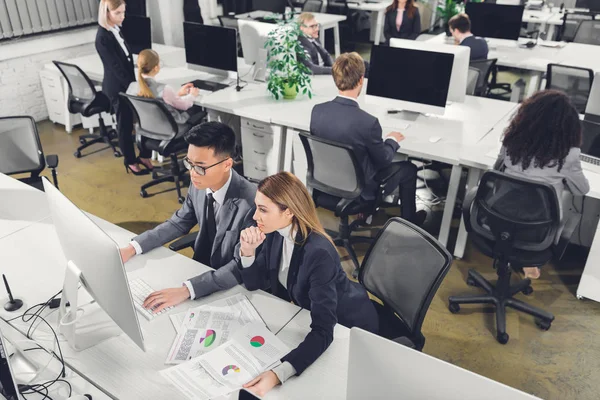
(313, 26)
(197, 168)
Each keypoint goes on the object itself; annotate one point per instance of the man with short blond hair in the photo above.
(317, 59)
(343, 121)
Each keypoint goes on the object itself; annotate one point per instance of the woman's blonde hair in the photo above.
(147, 60)
(105, 6)
(286, 190)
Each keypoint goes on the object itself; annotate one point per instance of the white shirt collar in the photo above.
(286, 232)
(219, 195)
(468, 35)
(348, 97)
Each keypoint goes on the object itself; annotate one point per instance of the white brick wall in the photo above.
(20, 86)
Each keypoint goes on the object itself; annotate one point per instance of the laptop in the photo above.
(590, 147)
(8, 385)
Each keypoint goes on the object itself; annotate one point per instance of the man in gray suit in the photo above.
(220, 201)
(317, 58)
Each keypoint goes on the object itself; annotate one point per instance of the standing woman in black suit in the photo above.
(117, 60)
(299, 263)
(402, 21)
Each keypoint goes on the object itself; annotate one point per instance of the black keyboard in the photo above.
(208, 85)
(267, 20)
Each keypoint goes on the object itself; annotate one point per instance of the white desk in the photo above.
(35, 265)
(548, 19)
(20, 205)
(326, 21)
(463, 123)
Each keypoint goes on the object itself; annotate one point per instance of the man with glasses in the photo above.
(220, 201)
(317, 58)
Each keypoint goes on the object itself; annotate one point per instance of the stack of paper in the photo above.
(219, 347)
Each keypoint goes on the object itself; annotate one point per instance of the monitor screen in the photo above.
(591, 138)
(210, 46)
(274, 6)
(592, 5)
(414, 76)
(137, 32)
(495, 21)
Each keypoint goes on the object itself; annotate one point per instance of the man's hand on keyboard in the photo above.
(157, 301)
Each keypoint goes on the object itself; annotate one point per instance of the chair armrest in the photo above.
(469, 197)
(340, 208)
(52, 160)
(403, 340)
(184, 242)
(385, 174)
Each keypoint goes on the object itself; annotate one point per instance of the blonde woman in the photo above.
(177, 103)
(298, 262)
(117, 60)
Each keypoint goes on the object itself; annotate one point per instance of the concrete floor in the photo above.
(562, 363)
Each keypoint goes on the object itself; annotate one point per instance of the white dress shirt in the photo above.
(116, 31)
(219, 197)
(285, 370)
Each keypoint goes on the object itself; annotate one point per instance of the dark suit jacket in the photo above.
(118, 68)
(479, 47)
(410, 28)
(316, 282)
(343, 121)
(312, 51)
(235, 214)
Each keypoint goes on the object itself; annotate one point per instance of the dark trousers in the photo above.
(406, 182)
(125, 131)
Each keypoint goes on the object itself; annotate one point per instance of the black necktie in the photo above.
(204, 250)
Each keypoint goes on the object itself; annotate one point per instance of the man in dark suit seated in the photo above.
(342, 120)
(220, 201)
(317, 59)
(460, 28)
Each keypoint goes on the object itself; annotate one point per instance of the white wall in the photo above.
(21, 88)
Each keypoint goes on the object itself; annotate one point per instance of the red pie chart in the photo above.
(257, 341)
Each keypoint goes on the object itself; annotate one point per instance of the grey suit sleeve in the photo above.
(315, 68)
(380, 152)
(227, 276)
(574, 177)
(178, 225)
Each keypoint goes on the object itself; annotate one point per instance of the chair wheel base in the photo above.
(502, 338)
(117, 154)
(77, 154)
(143, 193)
(527, 291)
(543, 325)
(82, 141)
(454, 308)
(471, 282)
(181, 200)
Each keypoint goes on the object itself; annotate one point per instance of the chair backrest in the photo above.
(576, 82)
(153, 118)
(588, 32)
(20, 147)
(570, 25)
(404, 267)
(332, 167)
(312, 6)
(520, 213)
(485, 68)
(81, 88)
(472, 80)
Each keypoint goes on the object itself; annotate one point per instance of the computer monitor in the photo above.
(592, 5)
(209, 48)
(137, 31)
(495, 20)
(592, 109)
(253, 35)
(394, 371)
(408, 79)
(8, 384)
(274, 6)
(460, 67)
(94, 260)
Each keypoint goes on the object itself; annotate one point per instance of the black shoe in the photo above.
(137, 173)
(419, 218)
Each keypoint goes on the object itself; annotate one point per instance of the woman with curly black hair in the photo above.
(542, 143)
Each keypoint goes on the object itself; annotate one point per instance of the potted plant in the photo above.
(447, 10)
(288, 76)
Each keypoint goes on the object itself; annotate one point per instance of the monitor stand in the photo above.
(85, 326)
(406, 115)
(260, 68)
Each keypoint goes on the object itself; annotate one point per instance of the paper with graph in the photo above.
(249, 352)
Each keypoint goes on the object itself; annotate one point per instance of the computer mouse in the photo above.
(529, 44)
(434, 139)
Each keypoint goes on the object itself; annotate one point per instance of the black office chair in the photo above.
(576, 82)
(472, 80)
(229, 21)
(21, 151)
(485, 68)
(157, 130)
(404, 269)
(337, 181)
(348, 32)
(313, 6)
(85, 100)
(570, 25)
(515, 221)
(588, 32)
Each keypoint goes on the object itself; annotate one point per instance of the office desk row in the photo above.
(118, 369)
